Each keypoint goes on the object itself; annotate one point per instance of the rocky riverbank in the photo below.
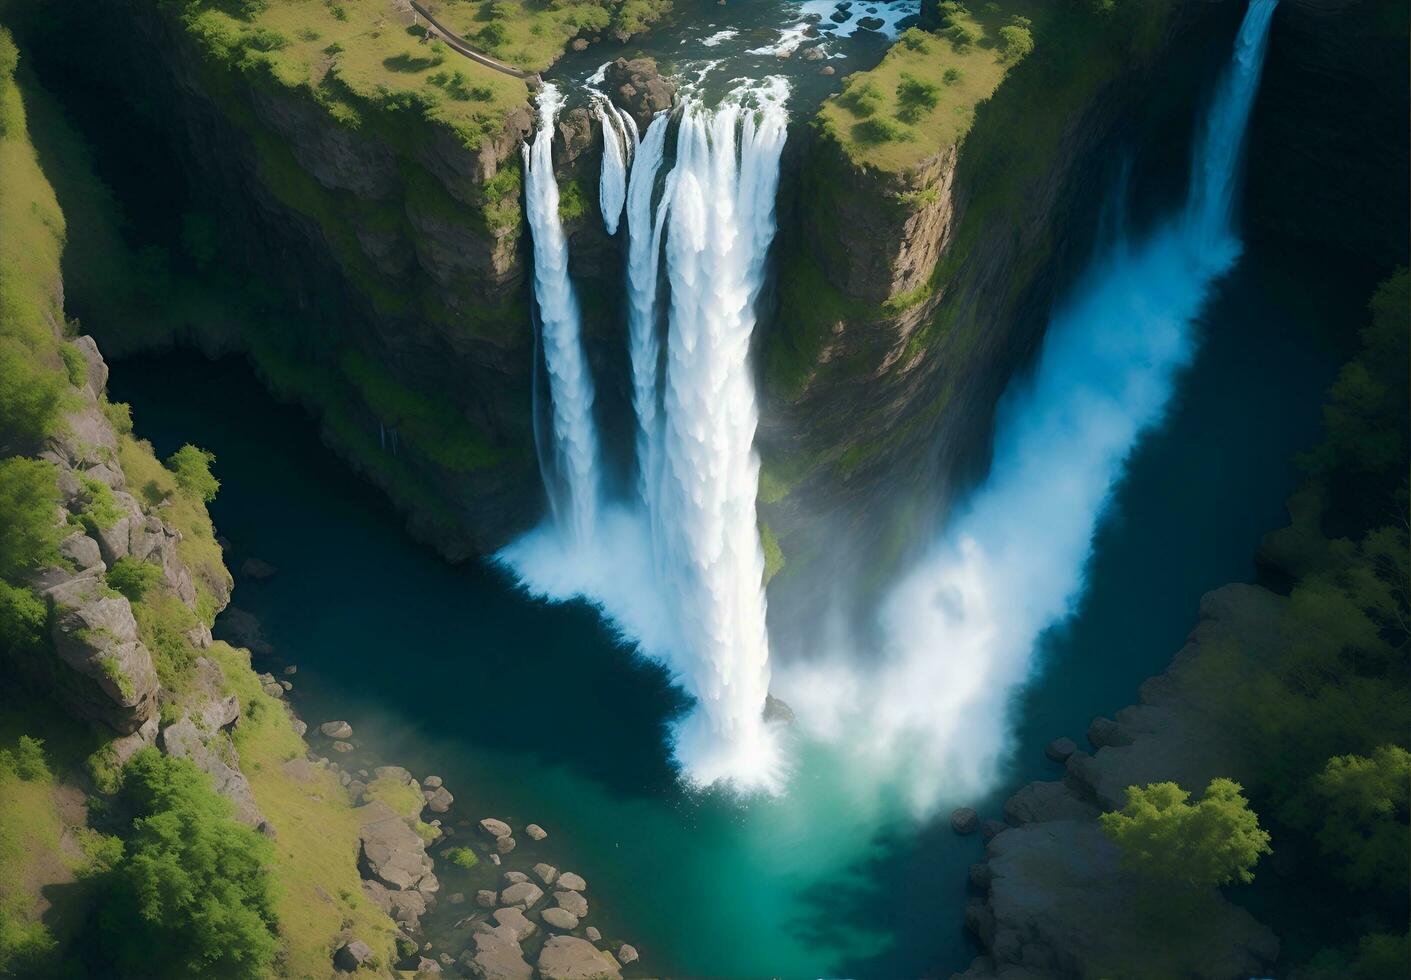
(1051, 899)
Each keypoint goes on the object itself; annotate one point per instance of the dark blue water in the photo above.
(535, 712)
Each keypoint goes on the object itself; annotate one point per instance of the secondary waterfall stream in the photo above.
(690, 537)
(960, 629)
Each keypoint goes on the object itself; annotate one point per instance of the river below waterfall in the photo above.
(534, 712)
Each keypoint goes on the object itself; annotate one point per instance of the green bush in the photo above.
(961, 37)
(915, 96)
(863, 98)
(133, 577)
(25, 760)
(192, 467)
(1366, 804)
(74, 365)
(23, 618)
(101, 509)
(882, 130)
(1164, 838)
(29, 398)
(25, 946)
(194, 897)
(915, 39)
(1015, 41)
(951, 75)
(29, 533)
(462, 857)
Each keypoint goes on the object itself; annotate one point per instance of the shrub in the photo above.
(462, 857)
(29, 534)
(119, 416)
(29, 398)
(25, 946)
(192, 467)
(195, 896)
(74, 364)
(25, 760)
(1163, 837)
(883, 130)
(264, 39)
(961, 37)
(915, 39)
(1365, 804)
(915, 96)
(951, 75)
(863, 98)
(1015, 41)
(493, 34)
(102, 510)
(133, 577)
(23, 618)
(308, 34)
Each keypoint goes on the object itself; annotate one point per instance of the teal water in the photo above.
(533, 712)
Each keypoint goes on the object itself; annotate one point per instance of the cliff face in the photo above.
(908, 300)
(1329, 141)
(403, 245)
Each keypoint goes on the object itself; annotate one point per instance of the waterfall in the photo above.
(573, 486)
(722, 199)
(960, 628)
(612, 183)
(678, 568)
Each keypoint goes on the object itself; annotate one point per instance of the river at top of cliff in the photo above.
(706, 45)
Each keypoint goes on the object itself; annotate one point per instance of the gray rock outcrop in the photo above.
(571, 958)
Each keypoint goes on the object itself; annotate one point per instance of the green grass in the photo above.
(773, 554)
(317, 843)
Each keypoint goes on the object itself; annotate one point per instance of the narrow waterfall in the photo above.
(618, 141)
(959, 630)
(722, 200)
(573, 486)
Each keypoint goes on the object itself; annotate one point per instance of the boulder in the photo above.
(494, 954)
(561, 919)
(535, 832)
(109, 673)
(571, 958)
(352, 955)
(514, 920)
(486, 898)
(1105, 732)
(493, 828)
(592, 933)
(426, 966)
(392, 852)
(546, 873)
(777, 710)
(573, 902)
(579, 44)
(827, 70)
(342, 746)
(242, 629)
(438, 800)
(812, 54)
(990, 828)
(431, 782)
(336, 729)
(627, 954)
(504, 844)
(964, 820)
(638, 88)
(514, 877)
(82, 550)
(524, 895)
(572, 882)
(1060, 749)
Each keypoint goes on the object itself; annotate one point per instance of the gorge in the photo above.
(814, 434)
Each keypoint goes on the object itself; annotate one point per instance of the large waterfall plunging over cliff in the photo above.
(679, 567)
(960, 629)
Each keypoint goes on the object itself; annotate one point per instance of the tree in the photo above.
(1015, 41)
(1364, 816)
(29, 530)
(194, 898)
(1163, 837)
(192, 466)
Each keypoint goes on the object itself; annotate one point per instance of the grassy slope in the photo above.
(41, 823)
(317, 844)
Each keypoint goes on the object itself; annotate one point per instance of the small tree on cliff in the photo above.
(1164, 837)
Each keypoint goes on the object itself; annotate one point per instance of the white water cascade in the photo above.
(959, 630)
(680, 568)
(573, 486)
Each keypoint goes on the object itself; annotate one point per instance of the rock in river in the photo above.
(571, 958)
(572, 882)
(535, 832)
(336, 729)
(494, 954)
(493, 828)
(964, 820)
(546, 873)
(523, 895)
(573, 902)
(1060, 749)
(561, 919)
